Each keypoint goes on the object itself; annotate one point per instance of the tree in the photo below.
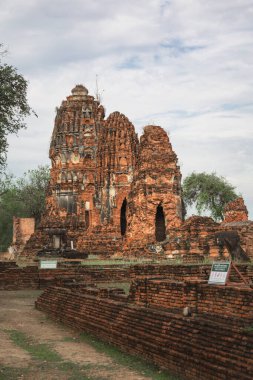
(31, 191)
(23, 197)
(13, 104)
(6, 181)
(208, 192)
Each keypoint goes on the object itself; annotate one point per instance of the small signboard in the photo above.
(48, 264)
(219, 272)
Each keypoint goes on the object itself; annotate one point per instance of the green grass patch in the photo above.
(39, 351)
(77, 372)
(46, 360)
(121, 285)
(10, 373)
(130, 361)
(71, 339)
(73, 371)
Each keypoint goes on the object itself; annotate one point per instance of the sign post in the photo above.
(219, 272)
(48, 264)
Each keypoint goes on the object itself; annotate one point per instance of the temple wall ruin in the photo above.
(236, 211)
(111, 194)
(194, 347)
(13, 277)
(23, 228)
(245, 232)
(105, 186)
(154, 201)
(224, 302)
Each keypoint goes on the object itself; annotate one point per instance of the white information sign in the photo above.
(48, 264)
(219, 272)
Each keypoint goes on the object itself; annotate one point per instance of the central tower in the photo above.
(73, 152)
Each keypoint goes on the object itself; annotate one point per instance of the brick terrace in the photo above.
(204, 345)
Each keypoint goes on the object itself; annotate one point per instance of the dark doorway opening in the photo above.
(87, 219)
(160, 229)
(123, 220)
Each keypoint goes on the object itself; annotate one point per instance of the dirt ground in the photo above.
(34, 347)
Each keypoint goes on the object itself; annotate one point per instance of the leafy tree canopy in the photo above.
(6, 182)
(13, 104)
(208, 192)
(23, 197)
(31, 191)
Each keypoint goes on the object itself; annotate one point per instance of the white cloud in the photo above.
(183, 64)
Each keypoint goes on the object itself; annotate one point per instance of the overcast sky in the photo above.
(186, 65)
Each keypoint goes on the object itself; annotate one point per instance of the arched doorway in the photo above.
(123, 220)
(160, 229)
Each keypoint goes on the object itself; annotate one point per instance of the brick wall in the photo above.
(210, 300)
(228, 302)
(13, 277)
(193, 347)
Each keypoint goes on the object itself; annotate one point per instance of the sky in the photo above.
(185, 65)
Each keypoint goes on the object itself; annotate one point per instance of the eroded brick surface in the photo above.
(201, 346)
(111, 194)
(236, 211)
(23, 228)
(106, 187)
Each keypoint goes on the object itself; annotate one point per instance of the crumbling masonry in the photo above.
(110, 193)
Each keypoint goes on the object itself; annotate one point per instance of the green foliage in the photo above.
(208, 192)
(6, 181)
(9, 207)
(31, 191)
(13, 104)
(24, 197)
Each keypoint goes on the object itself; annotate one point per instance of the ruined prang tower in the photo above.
(107, 191)
(154, 202)
(73, 152)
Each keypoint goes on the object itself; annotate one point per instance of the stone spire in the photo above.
(117, 160)
(73, 152)
(155, 204)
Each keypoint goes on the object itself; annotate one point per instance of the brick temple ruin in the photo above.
(113, 194)
(213, 341)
